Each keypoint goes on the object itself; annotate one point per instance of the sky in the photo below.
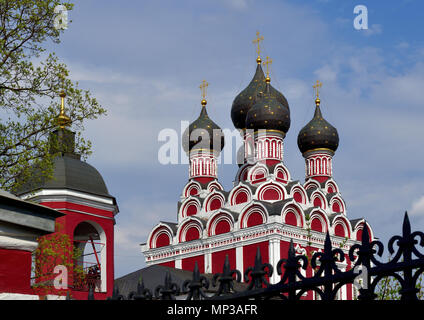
(144, 62)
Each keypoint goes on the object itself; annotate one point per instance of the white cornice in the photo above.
(66, 195)
(243, 237)
(12, 243)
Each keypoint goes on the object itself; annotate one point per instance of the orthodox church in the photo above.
(266, 208)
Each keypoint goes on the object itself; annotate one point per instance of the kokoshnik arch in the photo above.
(266, 208)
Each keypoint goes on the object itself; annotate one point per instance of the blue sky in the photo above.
(145, 60)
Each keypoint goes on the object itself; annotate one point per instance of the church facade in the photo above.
(266, 208)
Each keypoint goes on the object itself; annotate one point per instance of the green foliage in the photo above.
(389, 288)
(53, 250)
(30, 81)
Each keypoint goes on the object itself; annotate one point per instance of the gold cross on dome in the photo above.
(317, 86)
(203, 87)
(267, 62)
(258, 40)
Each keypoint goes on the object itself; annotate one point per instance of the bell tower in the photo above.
(78, 190)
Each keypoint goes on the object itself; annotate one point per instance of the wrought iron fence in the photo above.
(406, 266)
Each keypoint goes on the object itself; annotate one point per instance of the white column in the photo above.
(178, 264)
(239, 260)
(274, 257)
(208, 262)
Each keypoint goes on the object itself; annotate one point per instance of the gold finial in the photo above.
(267, 62)
(62, 119)
(258, 50)
(203, 87)
(317, 86)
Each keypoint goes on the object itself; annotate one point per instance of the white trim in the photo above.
(17, 244)
(18, 296)
(84, 212)
(67, 192)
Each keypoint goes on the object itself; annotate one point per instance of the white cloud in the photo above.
(418, 207)
(374, 29)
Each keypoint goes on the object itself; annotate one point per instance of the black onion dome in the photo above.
(203, 133)
(317, 134)
(268, 113)
(244, 101)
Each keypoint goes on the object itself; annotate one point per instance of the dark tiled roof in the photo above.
(154, 276)
(27, 214)
(69, 173)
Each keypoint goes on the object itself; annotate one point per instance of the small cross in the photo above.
(203, 87)
(317, 86)
(258, 40)
(267, 62)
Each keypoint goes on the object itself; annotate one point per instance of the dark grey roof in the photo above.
(172, 225)
(290, 185)
(69, 173)
(27, 214)
(274, 208)
(330, 196)
(354, 222)
(155, 275)
(309, 192)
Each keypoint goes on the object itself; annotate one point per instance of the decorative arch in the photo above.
(190, 207)
(319, 221)
(254, 215)
(298, 193)
(271, 192)
(240, 194)
(220, 223)
(318, 199)
(160, 236)
(192, 188)
(331, 186)
(337, 205)
(359, 229)
(341, 227)
(281, 173)
(311, 184)
(190, 230)
(258, 173)
(214, 185)
(214, 201)
(89, 236)
(292, 214)
(242, 173)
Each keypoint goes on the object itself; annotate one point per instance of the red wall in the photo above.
(218, 259)
(15, 271)
(71, 220)
(168, 264)
(188, 263)
(249, 253)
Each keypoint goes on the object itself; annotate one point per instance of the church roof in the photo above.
(69, 173)
(27, 214)
(154, 276)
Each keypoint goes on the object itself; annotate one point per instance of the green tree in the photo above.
(30, 81)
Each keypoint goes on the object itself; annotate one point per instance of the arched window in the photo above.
(90, 240)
